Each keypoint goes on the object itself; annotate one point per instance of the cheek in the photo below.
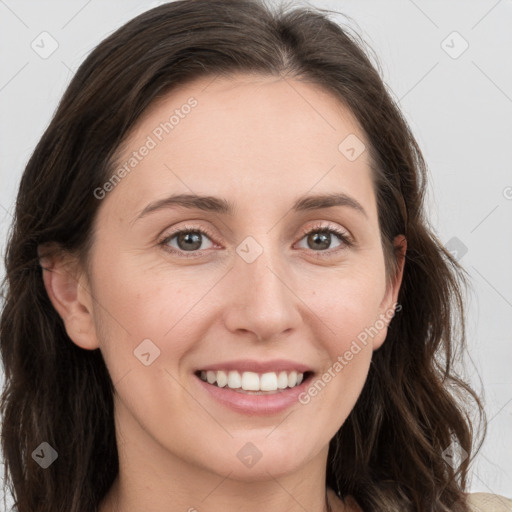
(132, 307)
(350, 302)
(350, 310)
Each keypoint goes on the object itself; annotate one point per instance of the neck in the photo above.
(217, 494)
(115, 502)
(152, 477)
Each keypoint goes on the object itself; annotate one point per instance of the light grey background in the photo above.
(459, 105)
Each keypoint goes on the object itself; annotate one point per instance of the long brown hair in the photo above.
(390, 452)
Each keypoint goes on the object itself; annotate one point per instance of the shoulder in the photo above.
(477, 501)
(485, 502)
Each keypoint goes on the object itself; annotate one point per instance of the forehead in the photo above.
(254, 135)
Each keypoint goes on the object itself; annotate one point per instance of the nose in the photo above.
(261, 299)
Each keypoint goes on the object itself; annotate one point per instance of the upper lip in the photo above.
(249, 365)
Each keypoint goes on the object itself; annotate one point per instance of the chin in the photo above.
(258, 458)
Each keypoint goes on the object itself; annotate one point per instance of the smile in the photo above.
(268, 393)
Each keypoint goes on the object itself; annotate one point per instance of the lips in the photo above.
(253, 403)
(266, 401)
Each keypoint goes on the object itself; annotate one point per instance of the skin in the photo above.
(247, 137)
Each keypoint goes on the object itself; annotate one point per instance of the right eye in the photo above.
(187, 240)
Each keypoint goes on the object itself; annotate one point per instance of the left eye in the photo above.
(321, 236)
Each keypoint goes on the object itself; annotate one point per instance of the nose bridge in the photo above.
(263, 301)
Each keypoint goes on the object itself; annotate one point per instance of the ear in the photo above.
(389, 303)
(67, 287)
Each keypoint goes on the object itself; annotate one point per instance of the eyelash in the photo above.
(319, 228)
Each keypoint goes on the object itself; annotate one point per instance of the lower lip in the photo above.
(260, 405)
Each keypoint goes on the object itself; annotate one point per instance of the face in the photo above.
(244, 286)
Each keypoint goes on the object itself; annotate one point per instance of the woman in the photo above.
(221, 288)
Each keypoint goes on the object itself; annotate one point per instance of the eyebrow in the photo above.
(223, 206)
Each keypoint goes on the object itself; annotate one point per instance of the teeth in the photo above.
(268, 382)
(234, 380)
(222, 379)
(251, 381)
(282, 380)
